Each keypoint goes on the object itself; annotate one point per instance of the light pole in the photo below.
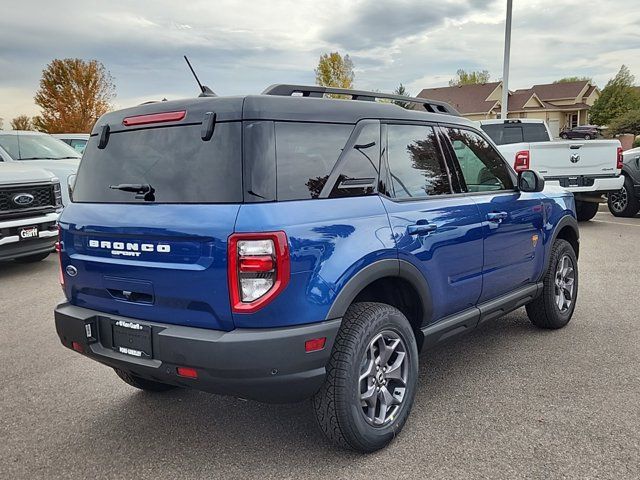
(505, 63)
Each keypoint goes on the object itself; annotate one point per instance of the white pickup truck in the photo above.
(588, 168)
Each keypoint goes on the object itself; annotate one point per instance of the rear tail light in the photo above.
(59, 250)
(620, 159)
(259, 269)
(522, 161)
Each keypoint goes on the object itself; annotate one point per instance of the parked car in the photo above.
(586, 132)
(588, 169)
(77, 141)
(30, 202)
(283, 246)
(626, 201)
(42, 151)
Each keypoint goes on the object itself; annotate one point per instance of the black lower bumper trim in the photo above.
(268, 365)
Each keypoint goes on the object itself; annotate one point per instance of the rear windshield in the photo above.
(503, 134)
(174, 161)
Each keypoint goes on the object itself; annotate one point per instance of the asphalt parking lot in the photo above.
(506, 401)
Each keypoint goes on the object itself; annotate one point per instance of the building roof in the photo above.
(464, 98)
(558, 91)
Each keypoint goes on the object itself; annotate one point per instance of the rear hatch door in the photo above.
(160, 256)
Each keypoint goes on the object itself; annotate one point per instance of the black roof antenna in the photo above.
(204, 90)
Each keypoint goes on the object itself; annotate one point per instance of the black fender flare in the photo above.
(565, 221)
(390, 267)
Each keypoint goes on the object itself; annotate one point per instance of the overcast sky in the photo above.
(241, 47)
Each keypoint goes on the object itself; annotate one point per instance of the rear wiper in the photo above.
(143, 191)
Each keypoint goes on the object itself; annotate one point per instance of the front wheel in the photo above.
(371, 378)
(564, 136)
(554, 307)
(587, 137)
(585, 211)
(623, 203)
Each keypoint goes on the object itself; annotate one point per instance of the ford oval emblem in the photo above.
(71, 270)
(23, 199)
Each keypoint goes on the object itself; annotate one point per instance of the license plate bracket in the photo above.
(28, 233)
(132, 338)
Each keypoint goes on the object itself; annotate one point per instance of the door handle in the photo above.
(496, 217)
(421, 228)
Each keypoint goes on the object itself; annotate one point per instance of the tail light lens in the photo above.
(620, 160)
(59, 250)
(259, 269)
(522, 161)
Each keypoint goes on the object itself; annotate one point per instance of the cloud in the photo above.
(241, 47)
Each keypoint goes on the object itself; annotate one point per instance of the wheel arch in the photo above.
(391, 281)
(566, 229)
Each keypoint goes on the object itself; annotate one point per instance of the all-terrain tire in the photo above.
(624, 203)
(338, 405)
(544, 311)
(585, 211)
(143, 383)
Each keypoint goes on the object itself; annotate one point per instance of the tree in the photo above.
(401, 90)
(22, 122)
(469, 78)
(73, 94)
(334, 70)
(617, 98)
(574, 79)
(628, 122)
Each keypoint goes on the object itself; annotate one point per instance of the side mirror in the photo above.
(530, 181)
(71, 181)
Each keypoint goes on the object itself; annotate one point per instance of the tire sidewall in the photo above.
(374, 437)
(560, 318)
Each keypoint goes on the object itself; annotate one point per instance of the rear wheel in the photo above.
(554, 307)
(371, 378)
(564, 136)
(624, 203)
(585, 211)
(587, 137)
(143, 383)
(38, 257)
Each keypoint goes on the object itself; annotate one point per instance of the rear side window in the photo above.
(482, 167)
(416, 166)
(503, 134)
(306, 154)
(174, 161)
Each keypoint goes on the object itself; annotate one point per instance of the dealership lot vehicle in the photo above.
(626, 201)
(588, 169)
(78, 141)
(40, 150)
(303, 247)
(30, 202)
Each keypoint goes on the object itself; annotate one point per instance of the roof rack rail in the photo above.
(285, 90)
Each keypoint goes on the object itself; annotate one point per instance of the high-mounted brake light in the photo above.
(522, 161)
(620, 159)
(259, 269)
(154, 118)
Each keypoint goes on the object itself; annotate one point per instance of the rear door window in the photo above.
(416, 165)
(306, 154)
(174, 161)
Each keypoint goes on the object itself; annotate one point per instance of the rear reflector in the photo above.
(522, 161)
(315, 344)
(187, 372)
(154, 118)
(77, 347)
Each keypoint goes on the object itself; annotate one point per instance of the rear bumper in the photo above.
(588, 184)
(11, 246)
(268, 365)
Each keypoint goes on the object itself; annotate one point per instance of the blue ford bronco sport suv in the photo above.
(286, 246)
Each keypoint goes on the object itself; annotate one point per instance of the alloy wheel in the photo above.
(619, 199)
(564, 284)
(383, 378)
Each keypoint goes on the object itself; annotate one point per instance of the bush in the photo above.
(626, 123)
(636, 142)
